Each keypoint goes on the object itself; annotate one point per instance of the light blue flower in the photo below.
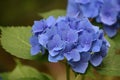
(72, 8)
(70, 38)
(91, 9)
(87, 8)
(107, 14)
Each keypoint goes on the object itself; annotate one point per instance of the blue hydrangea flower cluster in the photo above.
(76, 40)
(105, 11)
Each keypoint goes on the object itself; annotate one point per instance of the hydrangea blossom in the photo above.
(105, 13)
(88, 8)
(70, 38)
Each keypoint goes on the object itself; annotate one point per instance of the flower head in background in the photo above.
(70, 38)
(105, 13)
(87, 8)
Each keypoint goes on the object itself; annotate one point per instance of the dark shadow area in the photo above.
(24, 12)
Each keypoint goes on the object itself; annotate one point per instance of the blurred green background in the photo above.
(24, 12)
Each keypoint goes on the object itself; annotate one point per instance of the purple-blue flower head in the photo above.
(104, 13)
(94, 8)
(87, 8)
(70, 38)
(108, 12)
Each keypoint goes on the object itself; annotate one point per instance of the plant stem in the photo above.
(67, 72)
(75, 74)
(82, 77)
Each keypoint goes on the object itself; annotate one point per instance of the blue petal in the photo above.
(72, 36)
(60, 18)
(74, 55)
(35, 49)
(101, 35)
(85, 40)
(50, 32)
(105, 42)
(108, 14)
(96, 59)
(56, 43)
(96, 46)
(42, 50)
(53, 53)
(104, 50)
(85, 56)
(116, 3)
(80, 48)
(62, 26)
(34, 40)
(84, 48)
(110, 30)
(98, 19)
(39, 26)
(68, 47)
(82, 1)
(79, 67)
(72, 8)
(101, 1)
(91, 10)
(96, 28)
(52, 59)
(85, 24)
(43, 39)
(66, 33)
(50, 21)
(55, 58)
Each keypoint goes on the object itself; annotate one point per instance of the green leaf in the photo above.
(111, 66)
(78, 77)
(54, 13)
(116, 39)
(15, 40)
(90, 73)
(22, 72)
(4, 76)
